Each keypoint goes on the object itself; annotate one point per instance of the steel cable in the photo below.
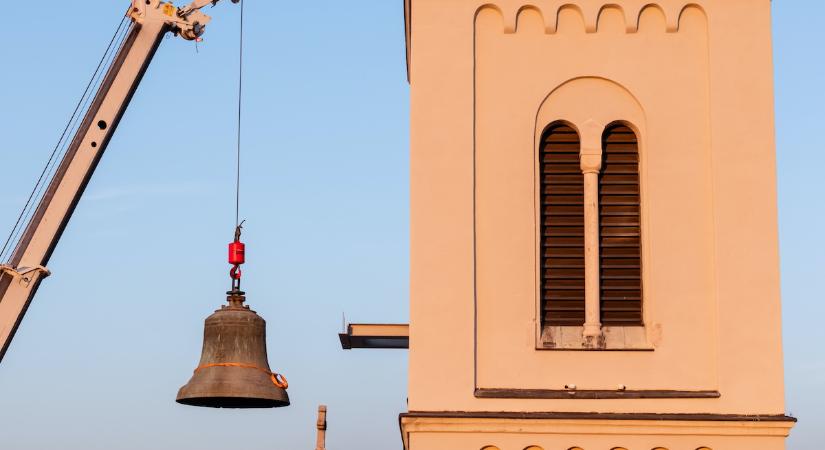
(240, 103)
(77, 121)
(60, 147)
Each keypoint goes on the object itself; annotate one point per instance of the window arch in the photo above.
(620, 228)
(562, 226)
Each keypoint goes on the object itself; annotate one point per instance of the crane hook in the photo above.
(237, 256)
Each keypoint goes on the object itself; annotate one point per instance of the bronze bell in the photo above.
(234, 371)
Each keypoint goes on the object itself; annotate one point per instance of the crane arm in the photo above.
(150, 21)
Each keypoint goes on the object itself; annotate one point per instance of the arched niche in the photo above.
(612, 20)
(652, 19)
(693, 17)
(589, 104)
(489, 19)
(570, 20)
(530, 20)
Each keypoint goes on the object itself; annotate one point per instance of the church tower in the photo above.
(594, 256)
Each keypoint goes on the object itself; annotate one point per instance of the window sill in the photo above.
(612, 338)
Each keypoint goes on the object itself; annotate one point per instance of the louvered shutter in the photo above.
(619, 219)
(562, 197)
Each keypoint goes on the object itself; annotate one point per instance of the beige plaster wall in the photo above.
(696, 84)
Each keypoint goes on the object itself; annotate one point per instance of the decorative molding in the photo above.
(592, 18)
(656, 426)
(589, 394)
(558, 415)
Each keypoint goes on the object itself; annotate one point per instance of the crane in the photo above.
(147, 22)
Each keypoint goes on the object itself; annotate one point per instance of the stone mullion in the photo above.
(591, 164)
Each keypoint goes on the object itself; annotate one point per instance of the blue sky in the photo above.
(117, 328)
(800, 70)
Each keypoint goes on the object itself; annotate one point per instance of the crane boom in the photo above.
(150, 21)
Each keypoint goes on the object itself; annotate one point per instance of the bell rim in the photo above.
(232, 402)
(200, 391)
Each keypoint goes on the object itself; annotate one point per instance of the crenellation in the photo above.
(572, 17)
(692, 12)
(570, 20)
(612, 19)
(531, 20)
(652, 19)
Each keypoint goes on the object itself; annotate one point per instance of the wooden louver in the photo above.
(620, 229)
(562, 243)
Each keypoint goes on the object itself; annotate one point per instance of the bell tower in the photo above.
(594, 255)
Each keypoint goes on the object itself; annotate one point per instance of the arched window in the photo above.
(562, 227)
(620, 229)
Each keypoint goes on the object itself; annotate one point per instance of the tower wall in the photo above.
(694, 82)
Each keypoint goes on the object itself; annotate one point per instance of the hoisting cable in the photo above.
(73, 130)
(240, 104)
(42, 180)
(237, 248)
(59, 149)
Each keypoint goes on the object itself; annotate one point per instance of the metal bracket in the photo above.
(24, 274)
(188, 21)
